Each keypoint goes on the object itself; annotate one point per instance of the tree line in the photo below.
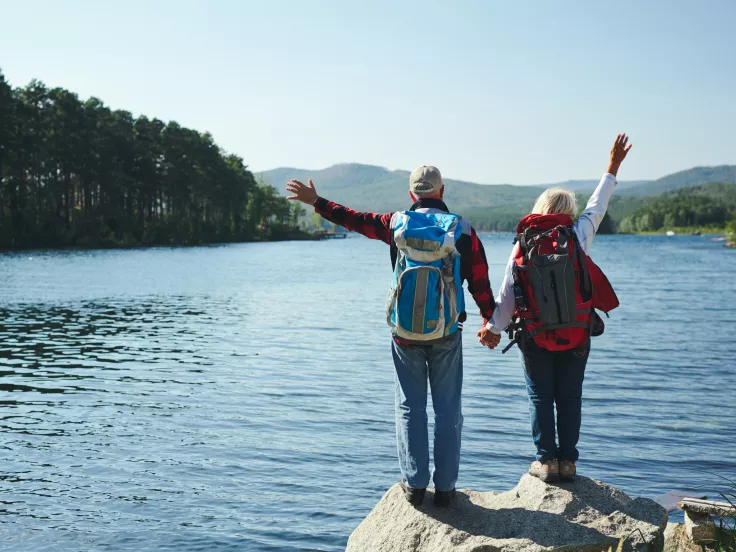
(709, 205)
(497, 220)
(77, 173)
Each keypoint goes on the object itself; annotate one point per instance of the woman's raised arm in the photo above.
(595, 210)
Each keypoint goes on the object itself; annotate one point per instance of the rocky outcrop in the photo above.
(676, 540)
(582, 515)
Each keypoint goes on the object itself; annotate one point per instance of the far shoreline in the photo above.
(684, 232)
(296, 236)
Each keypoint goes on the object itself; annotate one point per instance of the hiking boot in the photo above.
(442, 499)
(549, 471)
(414, 496)
(567, 470)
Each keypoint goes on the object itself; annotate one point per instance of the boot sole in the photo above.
(567, 477)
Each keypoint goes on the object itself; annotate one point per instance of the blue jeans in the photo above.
(554, 378)
(442, 364)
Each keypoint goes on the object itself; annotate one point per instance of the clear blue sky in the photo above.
(519, 92)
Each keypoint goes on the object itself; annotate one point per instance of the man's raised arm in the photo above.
(371, 225)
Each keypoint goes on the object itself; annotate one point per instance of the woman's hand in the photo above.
(305, 194)
(487, 338)
(618, 153)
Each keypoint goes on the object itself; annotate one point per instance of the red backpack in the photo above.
(557, 287)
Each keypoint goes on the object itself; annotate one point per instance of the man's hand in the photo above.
(488, 338)
(618, 153)
(305, 194)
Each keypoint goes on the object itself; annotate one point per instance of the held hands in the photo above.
(305, 194)
(618, 153)
(487, 338)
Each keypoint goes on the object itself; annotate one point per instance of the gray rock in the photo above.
(676, 540)
(583, 515)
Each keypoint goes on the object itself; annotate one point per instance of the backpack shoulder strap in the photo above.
(464, 225)
(586, 284)
(393, 249)
(395, 218)
(520, 241)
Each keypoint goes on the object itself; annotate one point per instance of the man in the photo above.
(437, 359)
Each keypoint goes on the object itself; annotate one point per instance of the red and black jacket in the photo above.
(557, 286)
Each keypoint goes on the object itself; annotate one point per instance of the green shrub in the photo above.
(726, 525)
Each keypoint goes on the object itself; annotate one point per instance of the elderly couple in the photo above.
(547, 304)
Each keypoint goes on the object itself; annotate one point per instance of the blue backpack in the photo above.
(426, 296)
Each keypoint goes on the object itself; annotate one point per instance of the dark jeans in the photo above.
(554, 378)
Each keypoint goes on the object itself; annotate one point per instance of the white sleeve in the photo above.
(505, 303)
(588, 223)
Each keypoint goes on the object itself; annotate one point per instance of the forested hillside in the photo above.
(684, 179)
(372, 188)
(488, 207)
(707, 206)
(76, 173)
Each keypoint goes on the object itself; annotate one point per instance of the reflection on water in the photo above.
(48, 347)
(240, 397)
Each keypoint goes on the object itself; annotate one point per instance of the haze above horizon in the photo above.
(487, 91)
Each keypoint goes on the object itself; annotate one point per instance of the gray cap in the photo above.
(425, 180)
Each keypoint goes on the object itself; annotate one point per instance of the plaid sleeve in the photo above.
(371, 225)
(475, 272)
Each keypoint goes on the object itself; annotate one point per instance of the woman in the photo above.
(550, 290)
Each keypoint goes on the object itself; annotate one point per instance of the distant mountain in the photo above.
(577, 185)
(367, 187)
(488, 206)
(588, 186)
(685, 179)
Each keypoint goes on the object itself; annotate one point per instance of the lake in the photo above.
(240, 397)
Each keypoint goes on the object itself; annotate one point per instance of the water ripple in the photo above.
(241, 397)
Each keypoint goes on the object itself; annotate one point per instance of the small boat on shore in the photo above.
(330, 235)
(670, 232)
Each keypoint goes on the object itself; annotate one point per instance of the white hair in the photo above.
(556, 201)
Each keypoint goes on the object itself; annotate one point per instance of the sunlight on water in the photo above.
(241, 397)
